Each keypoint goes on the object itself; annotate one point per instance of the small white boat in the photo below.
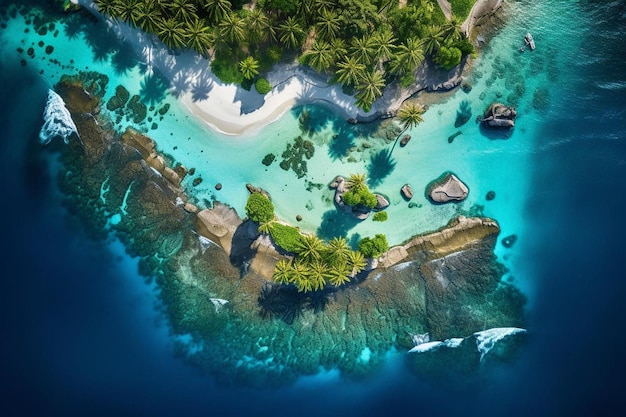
(528, 39)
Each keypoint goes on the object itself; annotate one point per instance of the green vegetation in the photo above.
(409, 115)
(363, 44)
(358, 194)
(259, 208)
(373, 247)
(462, 8)
(262, 86)
(381, 216)
(287, 237)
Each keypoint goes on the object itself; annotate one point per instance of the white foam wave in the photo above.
(57, 120)
(487, 339)
(425, 347)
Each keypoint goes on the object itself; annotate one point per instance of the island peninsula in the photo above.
(215, 269)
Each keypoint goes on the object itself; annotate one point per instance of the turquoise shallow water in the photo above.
(527, 171)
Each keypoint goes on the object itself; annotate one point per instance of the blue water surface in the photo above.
(81, 336)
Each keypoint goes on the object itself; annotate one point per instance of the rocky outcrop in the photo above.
(447, 188)
(500, 116)
(252, 189)
(382, 202)
(218, 224)
(459, 234)
(407, 191)
(405, 139)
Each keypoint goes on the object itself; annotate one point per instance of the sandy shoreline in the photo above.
(231, 110)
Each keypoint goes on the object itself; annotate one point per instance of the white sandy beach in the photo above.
(232, 110)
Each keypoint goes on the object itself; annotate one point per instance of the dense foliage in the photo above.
(362, 44)
(286, 237)
(358, 194)
(381, 216)
(259, 208)
(373, 247)
(262, 86)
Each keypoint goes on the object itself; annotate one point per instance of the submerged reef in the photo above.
(214, 269)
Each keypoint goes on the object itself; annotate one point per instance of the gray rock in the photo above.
(407, 191)
(499, 115)
(447, 189)
(382, 202)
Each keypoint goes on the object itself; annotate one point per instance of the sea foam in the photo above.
(57, 120)
(487, 339)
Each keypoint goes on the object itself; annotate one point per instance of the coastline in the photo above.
(231, 110)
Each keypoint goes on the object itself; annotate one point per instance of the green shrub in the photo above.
(381, 216)
(461, 8)
(274, 53)
(360, 196)
(373, 247)
(227, 71)
(448, 57)
(262, 86)
(286, 237)
(259, 208)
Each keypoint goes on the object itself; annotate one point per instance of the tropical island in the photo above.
(269, 298)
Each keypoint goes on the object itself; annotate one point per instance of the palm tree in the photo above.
(328, 25)
(283, 272)
(408, 56)
(265, 227)
(310, 247)
(363, 49)
(337, 251)
(249, 67)
(350, 71)
(369, 89)
(318, 273)
(338, 46)
(320, 56)
(291, 32)
(233, 28)
(432, 40)
(300, 277)
(183, 10)
(198, 36)
(172, 34)
(356, 181)
(451, 30)
(409, 115)
(112, 8)
(259, 26)
(129, 11)
(216, 9)
(339, 275)
(356, 262)
(383, 43)
(149, 16)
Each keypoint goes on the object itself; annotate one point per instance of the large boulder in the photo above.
(499, 115)
(447, 188)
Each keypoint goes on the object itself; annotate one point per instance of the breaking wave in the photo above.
(57, 120)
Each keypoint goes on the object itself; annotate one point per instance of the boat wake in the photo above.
(57, 120)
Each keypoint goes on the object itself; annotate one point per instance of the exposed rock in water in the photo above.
(218, 186)
(499, 115)
(447, 188)
(382, 202)
(405, 139)
(252, 189)
(298, 218)
(509, 241)
(490, 195)
(407, 191)
(454, 135)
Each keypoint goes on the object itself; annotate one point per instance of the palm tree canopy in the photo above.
(350, 71)
(410, 115)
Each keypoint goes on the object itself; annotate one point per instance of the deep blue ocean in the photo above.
(74, 339)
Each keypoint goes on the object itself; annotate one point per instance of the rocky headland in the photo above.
(447, 282)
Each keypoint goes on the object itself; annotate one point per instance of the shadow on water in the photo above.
(313, 119)
(284, 302)
(153, 88)
(74, 26)
(335, 223)
(124, 60)
(381, 165)
(463, 114)
(495, 133)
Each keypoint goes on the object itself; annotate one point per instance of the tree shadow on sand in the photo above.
(201, 88)
(335, 223)
(153, 88)
(381, 165)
